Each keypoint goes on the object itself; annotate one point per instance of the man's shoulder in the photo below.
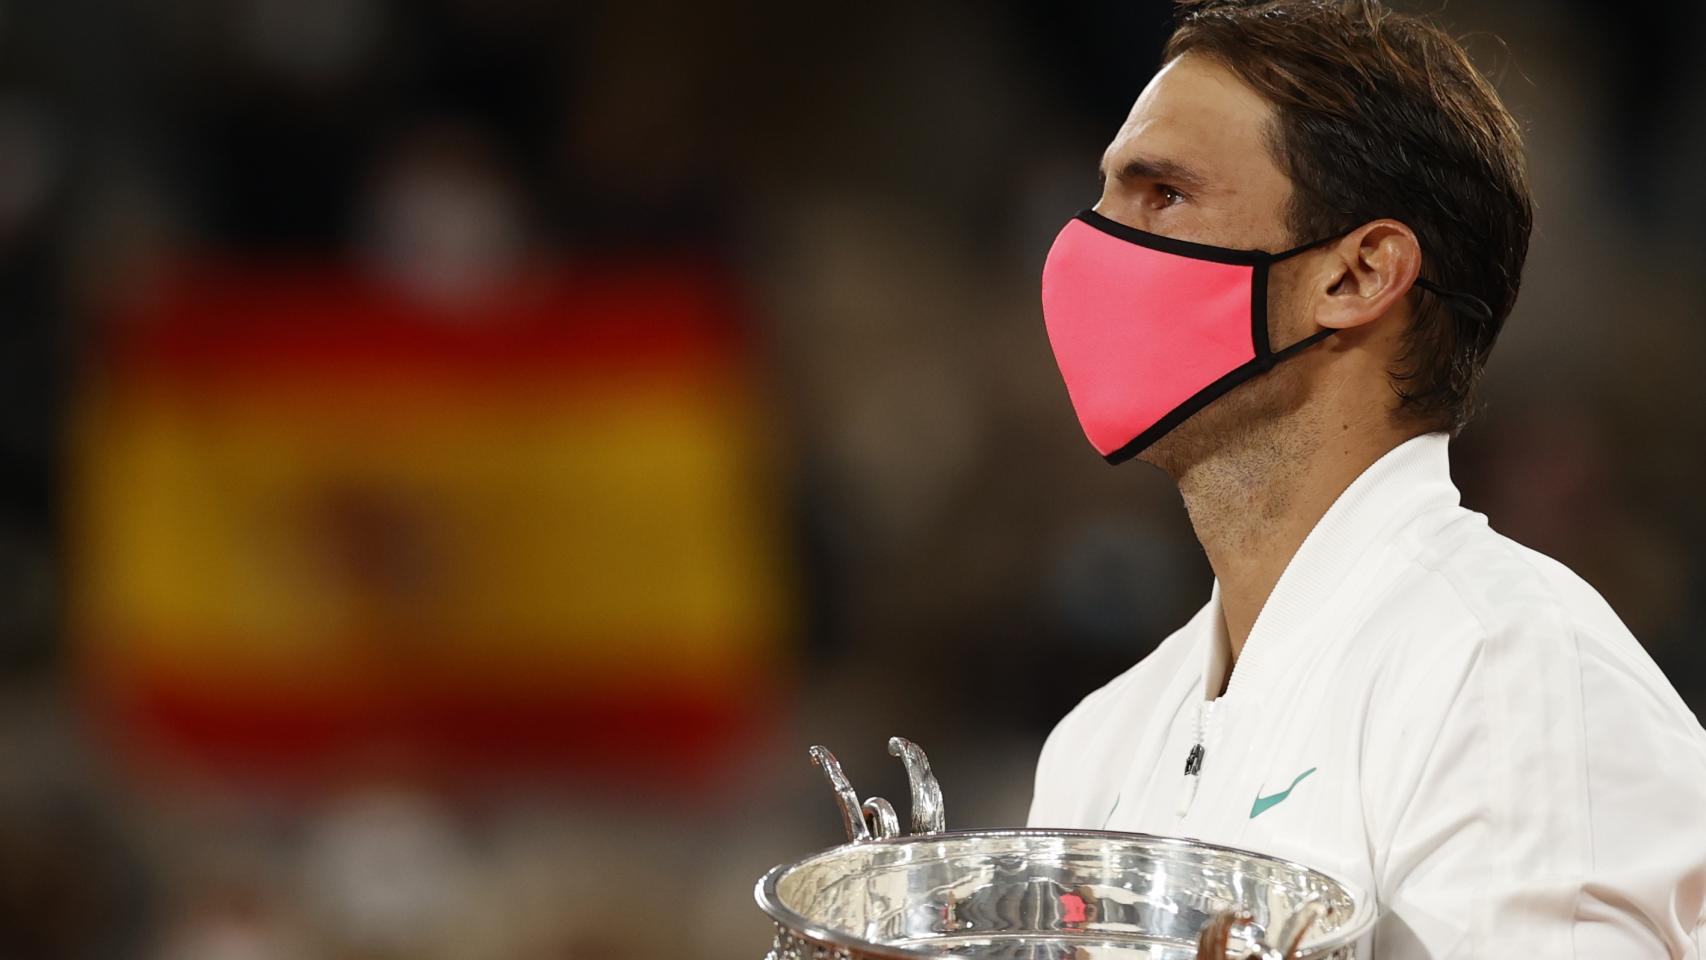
(1459, 582)
(1503, 584)
(1470, 598)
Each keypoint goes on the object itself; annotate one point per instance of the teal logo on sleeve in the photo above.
(1263, 803)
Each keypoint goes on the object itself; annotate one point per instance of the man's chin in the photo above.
(1209, 434)
(1176, 451)
(1246, 417)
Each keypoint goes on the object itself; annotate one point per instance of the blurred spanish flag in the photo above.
(316, 521)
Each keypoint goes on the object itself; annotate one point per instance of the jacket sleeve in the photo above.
(1060, 780)
(1546, 797)
(1043, 811)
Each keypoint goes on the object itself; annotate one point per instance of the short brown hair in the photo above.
(1381, 114)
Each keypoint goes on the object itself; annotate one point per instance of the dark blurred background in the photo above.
(459, 454)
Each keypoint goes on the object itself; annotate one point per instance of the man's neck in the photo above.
(1253, 503)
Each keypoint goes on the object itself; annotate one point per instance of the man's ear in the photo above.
(1365, 274)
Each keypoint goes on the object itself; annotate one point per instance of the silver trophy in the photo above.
(1045, 894)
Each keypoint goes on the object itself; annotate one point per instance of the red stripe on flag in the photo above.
(226, 323)
(632, 731)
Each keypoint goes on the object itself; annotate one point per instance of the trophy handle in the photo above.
(880, 818)
(1215, 937)
(1214, 940)
(927, 813)
(875, 818)
(1290, 939)
(852, 813)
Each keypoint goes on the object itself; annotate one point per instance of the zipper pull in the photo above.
(1193, 776)
(1193, 763)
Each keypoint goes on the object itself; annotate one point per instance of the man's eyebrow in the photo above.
(1155, 168)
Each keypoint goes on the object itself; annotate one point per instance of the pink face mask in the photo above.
(1148, 330)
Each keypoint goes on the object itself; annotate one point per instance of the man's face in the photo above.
(1194, 161)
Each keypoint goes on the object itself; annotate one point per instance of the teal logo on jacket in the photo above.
(1263, 803)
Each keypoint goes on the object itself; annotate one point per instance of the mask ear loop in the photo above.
(1266, 356)
(1472, 303)
(1454, 298)
(1301, 345)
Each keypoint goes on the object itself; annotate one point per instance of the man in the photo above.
(1379, 685)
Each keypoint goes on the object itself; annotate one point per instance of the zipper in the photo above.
(1194, 760)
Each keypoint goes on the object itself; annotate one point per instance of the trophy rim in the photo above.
(1360, 923)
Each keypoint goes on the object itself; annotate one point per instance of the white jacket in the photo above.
(1465, 729)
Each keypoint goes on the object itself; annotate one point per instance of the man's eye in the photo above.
(1167, 195)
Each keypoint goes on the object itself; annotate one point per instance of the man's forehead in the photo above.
(1195, 117)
